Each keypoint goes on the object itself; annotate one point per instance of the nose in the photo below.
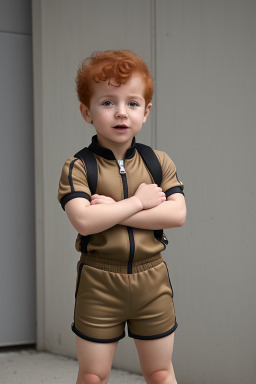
(121, 112)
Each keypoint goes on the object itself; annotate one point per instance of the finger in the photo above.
(96, 201)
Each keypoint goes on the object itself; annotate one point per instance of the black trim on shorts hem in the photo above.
(154, 337)
(82, 336)
(73, 195)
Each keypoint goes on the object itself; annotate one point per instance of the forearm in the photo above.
(169, 214)
(97, 218)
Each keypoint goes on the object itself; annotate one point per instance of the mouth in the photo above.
(121, 127)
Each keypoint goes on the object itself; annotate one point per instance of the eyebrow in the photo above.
(114, 97)
(136, 97)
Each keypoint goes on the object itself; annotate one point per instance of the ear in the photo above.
(147, 110)
(85, 112)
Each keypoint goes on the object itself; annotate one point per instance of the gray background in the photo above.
(203, 58)
(17, 218)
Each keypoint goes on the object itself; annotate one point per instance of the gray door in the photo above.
(17, 233)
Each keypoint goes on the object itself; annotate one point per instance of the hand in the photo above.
(101, 199)
(150, 195)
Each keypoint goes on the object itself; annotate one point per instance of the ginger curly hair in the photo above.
(117, 65)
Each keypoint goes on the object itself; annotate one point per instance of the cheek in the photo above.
(143, 118)
(102, 117)
(99, 115)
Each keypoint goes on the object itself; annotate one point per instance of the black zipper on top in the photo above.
(129, 229)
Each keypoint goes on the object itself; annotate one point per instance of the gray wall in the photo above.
(17, 224)
(203, 58)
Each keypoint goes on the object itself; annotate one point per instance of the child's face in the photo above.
(117, 112)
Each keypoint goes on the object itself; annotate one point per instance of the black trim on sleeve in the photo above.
(173, 190)
(73, 195)
(80, 334)
(154, 337)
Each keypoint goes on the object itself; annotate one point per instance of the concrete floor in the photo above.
(32, 367)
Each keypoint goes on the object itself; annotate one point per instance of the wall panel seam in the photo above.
(39, 171)
(153, 72)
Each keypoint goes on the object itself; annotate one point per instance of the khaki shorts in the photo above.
(106, 300)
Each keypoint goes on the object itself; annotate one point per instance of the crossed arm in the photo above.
(147, 209)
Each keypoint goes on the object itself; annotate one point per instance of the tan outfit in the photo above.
(120, 266)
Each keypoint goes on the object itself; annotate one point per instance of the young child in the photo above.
(121, 274)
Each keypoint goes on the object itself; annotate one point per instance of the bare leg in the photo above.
(156, 360)
(95, 361)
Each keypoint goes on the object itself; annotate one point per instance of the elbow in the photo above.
(182, 218)
(182, 215)
(178, 214)
(86, 230)
(83, 232)
(176, 221)
(82, 228)
(79, 216)
(180, 222)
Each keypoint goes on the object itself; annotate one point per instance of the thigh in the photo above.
(101, 305)
(155, 355)
(95, 358)
(153, 314)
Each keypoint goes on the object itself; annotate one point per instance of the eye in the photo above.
(107, 103)
(133, 104)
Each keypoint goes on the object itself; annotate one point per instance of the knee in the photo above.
(158, 377)
(89, 378)
(161, 377)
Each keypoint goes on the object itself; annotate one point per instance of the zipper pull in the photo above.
(121, 166)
